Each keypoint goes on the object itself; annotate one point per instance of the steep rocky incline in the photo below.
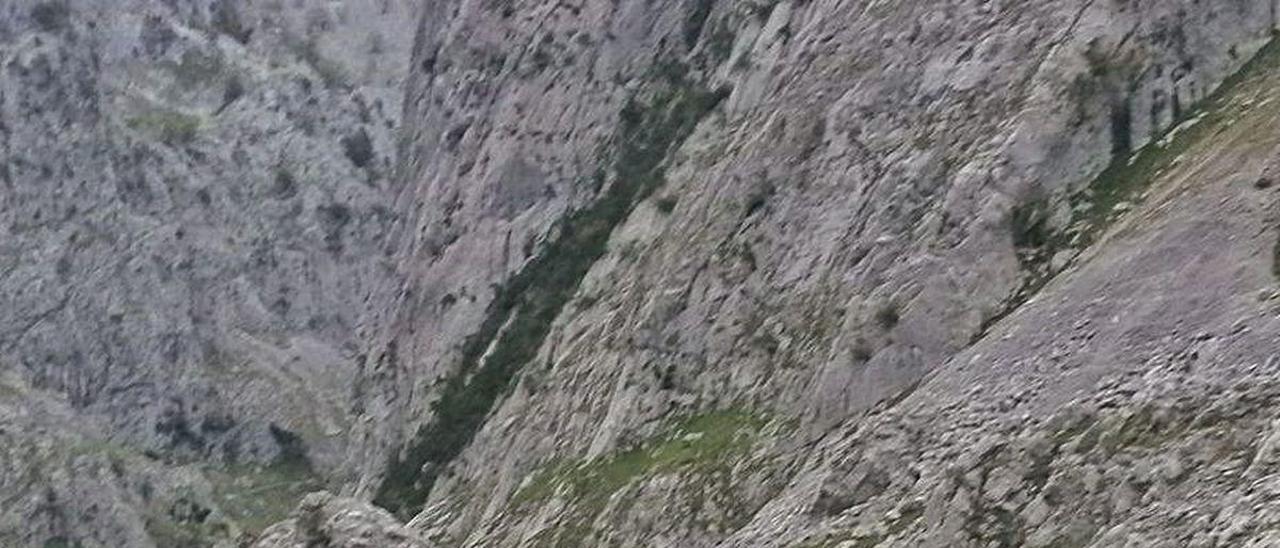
(806, 273)
(661, 262)
(193, 198)
(1130, 403)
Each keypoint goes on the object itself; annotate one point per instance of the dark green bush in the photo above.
(888, 316)
(1028, 223)
(171, 127)
(358, 148)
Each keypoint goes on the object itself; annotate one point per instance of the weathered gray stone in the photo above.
(676, 273)
(323, 519)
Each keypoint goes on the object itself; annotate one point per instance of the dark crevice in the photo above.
(1275, 258)
(1121, 128)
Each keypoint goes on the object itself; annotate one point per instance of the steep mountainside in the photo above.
(661, 261)
(193, 197)
(806, 273)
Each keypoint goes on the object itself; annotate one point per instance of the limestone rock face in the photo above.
(666, 273)
(623, 225)
(193, 198)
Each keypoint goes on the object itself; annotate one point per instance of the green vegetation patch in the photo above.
(169, 126)
(705, 446)
(700, 443)
(521, 313)
(255, 497)
(9, 391)
(244, 497)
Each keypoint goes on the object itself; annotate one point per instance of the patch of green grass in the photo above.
(251, 496)
(254, 497)
(701, 442)
(8, 391)
(705, 446)
(103, 448)
(166, 532)
(524, 308)
(171, 127)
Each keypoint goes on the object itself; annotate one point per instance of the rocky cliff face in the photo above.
(676, 273)
(193, 198)
(662, 258)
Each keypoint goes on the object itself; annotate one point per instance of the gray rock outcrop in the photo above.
(324, 520)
